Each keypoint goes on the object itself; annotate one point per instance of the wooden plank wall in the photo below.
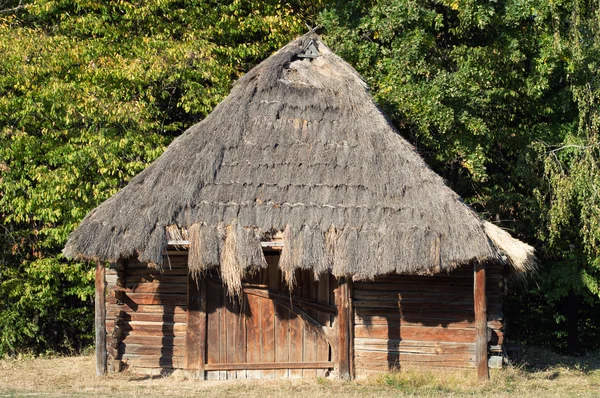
(259, 330)
(149, 308)
(421, 320)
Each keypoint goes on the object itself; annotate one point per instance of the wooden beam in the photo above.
(269, 365)
(100, 320)
(184, 244)
(344, 324)
(481, 340)
(195, 336)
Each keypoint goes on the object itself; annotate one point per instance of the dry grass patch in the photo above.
(75, 376)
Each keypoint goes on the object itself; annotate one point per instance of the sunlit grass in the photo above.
(537, 374)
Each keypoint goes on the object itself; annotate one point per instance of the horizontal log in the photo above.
(423, 320)
(170, 309)
(156, 350)
(415, 333)
(151, 317)
(154, 278)
(364, 366)
(453, 297)
(414, 305)
(268, 366)
(394, 357)
(153, 287)
(137, 325)
(456, 293)
(154, 361)
(175, 263)
(416, 312)
(151, 299)
(427, 286)
(414, 321)
(464, 274)
(136, 263)
(155, 340)
(181, 261)
(171, 253)
(134, 272)
(414, 347)
(154, 329)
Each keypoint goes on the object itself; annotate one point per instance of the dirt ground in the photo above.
(75, 376)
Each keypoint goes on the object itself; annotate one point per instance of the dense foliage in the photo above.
(90, 93)
(500, 97)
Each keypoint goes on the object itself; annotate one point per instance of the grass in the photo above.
(537, 374)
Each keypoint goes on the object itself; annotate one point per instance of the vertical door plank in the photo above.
(296, 343)
(212, 326)
(223, 332)
(232, 331)
(195, 336)
(282, 339)
(267, 336)
(253, 332)
(325, 320)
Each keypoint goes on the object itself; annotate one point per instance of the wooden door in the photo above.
(268, 331)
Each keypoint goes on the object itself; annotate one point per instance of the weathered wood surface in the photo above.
(269, 366)
(155, 327)
(422, 320)
(142, 310)
(268, 325)
(421, 333)
(480, 305)
(153, 315)
(401, 317)
(195, 328)
(100, 320)
(414, 347)
(344, 323)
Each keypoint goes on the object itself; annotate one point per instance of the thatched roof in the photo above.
(298, 146)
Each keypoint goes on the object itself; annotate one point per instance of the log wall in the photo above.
(146, 316)
(397, 321)
(402, 321)
(257, 337)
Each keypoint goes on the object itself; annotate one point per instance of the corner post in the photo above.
(345, 328)
(100, 319)
(480, 307)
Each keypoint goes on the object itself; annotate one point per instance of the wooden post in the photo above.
(100, 319)
(344, 322)
(480, 306)
(195, 335)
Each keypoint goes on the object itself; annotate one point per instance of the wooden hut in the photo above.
(292, 233)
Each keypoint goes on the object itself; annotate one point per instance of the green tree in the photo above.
(500, 97)
(90, 93)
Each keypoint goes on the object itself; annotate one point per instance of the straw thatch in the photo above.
(298, 146)
(520, 255)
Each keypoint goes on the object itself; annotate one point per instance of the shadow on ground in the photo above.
(534, 359)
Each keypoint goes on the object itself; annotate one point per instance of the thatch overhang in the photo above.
(300, 147)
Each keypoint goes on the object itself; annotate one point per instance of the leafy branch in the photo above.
(18, 7)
